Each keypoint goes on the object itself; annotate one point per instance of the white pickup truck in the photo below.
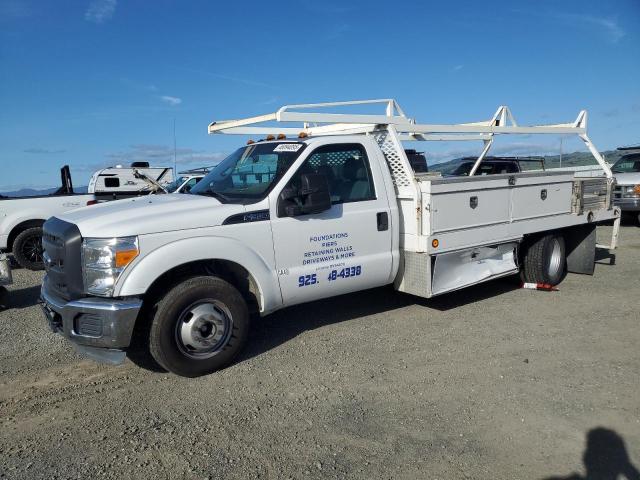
(21, 220)
(325, 209)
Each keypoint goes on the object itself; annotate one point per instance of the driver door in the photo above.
(343, 249)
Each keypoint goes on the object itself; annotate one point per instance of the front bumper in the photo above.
(627, 204)
(101, 328)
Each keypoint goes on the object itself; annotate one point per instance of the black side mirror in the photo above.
(312, 197)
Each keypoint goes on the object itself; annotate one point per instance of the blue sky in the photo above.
(98, 82)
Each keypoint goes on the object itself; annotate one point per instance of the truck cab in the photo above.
(263, 220)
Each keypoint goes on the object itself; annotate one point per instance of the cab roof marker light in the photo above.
(282, 136)
(270, 137)
(303, 135)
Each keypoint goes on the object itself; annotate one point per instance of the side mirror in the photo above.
(312, 197)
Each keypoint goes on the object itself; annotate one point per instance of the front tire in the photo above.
(199, 327)
(544, 260)
(27, 249)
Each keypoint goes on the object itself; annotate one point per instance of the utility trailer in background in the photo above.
(115, 183)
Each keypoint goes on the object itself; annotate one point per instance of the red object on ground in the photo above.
(545, 287)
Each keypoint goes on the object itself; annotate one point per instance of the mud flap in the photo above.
(580, 244)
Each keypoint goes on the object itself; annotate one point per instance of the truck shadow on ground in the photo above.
(605, 458)
(276, 329)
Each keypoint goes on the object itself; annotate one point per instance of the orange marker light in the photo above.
(249, 142)
(435, 242)
(124, 257)
(270, 137)
(282, 136)
(302, 135)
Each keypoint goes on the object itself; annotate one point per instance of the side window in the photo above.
(111, 182)
(346, 167)
(192, 183)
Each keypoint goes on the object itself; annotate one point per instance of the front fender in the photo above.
(143, 272)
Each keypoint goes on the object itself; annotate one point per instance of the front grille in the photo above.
(62, 245)
(617, 192)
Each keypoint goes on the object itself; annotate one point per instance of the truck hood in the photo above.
(150, 214)
(627, 178)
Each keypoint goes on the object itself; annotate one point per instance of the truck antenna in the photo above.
(175, 162)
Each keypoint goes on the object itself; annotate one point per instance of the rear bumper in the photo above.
(99, 327)
(628, 204)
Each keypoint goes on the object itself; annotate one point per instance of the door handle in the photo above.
(383, 221)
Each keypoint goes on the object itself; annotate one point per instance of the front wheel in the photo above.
(199, 327)
(27, 249)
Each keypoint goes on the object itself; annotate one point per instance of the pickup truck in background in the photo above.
(21, 220)
(489, 166)
(325, 209)
(626, 194)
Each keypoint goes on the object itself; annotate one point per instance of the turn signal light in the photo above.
(636, 189)
(124, 257)
(435, 243)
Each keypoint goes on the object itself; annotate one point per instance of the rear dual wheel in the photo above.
(199, 327)
(543, 260)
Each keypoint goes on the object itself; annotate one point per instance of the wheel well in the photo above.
(21, 227)
(232, 272)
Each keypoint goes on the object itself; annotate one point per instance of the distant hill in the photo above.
(30, 192)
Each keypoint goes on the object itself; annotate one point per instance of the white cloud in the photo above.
(609, 26)
(173, 101)
(100, 11)
(162, 155)
(458, 68)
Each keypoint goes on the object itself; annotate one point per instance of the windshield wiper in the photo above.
(216, 195)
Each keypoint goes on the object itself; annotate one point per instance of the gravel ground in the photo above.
(489, 382)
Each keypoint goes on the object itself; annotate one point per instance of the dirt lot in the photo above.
(490, 382)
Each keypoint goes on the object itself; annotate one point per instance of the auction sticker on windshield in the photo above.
(288, 147)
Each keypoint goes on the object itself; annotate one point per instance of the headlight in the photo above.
(631, 191)
(103, 260)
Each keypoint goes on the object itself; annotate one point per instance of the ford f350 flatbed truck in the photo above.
(324, 209)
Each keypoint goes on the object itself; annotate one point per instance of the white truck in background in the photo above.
(324, 209)
(21, 220)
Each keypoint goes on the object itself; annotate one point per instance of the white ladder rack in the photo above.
(315, 121)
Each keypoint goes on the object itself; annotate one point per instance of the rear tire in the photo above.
(199, 327)
(543, 260)
(27, 249)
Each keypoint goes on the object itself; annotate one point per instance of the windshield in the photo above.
(249, 173)
(173, 186)
(627, 164)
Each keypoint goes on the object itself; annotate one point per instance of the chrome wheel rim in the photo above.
(32, 249)
(555, 262)
(203, 329)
